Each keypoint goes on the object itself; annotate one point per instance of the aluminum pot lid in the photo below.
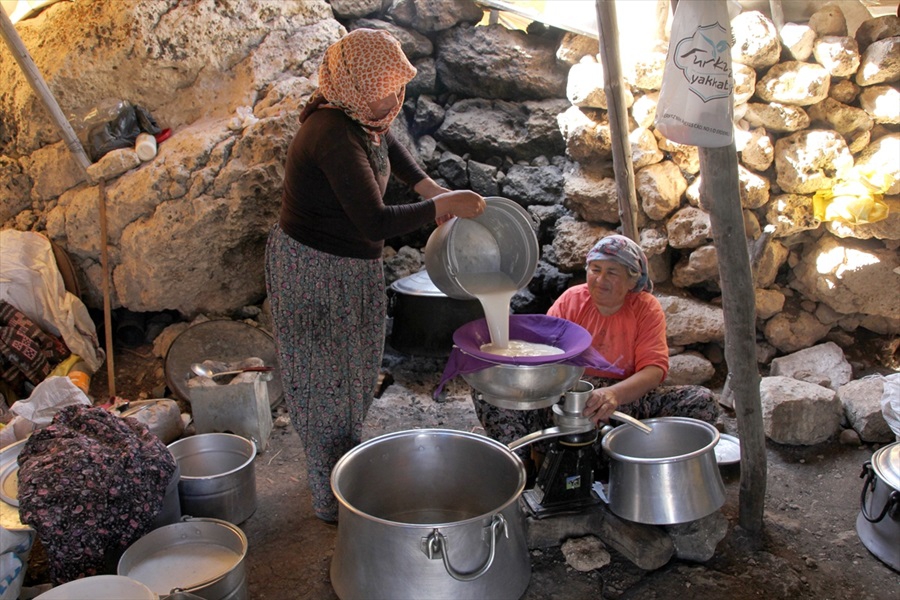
(417, 284)
(886, 463)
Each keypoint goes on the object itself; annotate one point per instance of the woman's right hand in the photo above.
(459, 203)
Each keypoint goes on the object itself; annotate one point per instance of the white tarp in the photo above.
(31, 281)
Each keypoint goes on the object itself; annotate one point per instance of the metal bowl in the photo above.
(524, 387)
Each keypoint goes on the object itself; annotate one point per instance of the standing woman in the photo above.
(323, 258)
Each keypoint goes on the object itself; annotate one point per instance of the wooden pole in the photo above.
(42, 91)
(607, 26)
(720, 197)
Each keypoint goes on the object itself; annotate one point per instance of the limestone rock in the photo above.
(643, 111)
(15, 194)
(808, 161)
(775, 116)
(790, 214)
(690, 321)
(798, 38)
(585, 553)
(573, 241)
(113, 163)
(849, 121)
(52, 171)
(880, 62)
(587, 135)
(881, 158)
(594, 199)
(768, 303)
(660, 187)
(844, 91)
(798, 413)
(689, 228)
(744, 82)
(756, 41)
(796, 83)
(754, 190)
(644, 149)
(862, 405)
(573, 47)
(700, 266)
(828, 20)
(496, 62)
(823, 364)
(838, 54)
(774, 256)
(758, 151)
(648, 71)
(877, 29)
(686, 157)
(790, 331)
(882, 102)
(689, 368)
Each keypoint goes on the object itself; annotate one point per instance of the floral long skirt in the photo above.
(329, 325)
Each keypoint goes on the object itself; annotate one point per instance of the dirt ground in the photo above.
(809, 548)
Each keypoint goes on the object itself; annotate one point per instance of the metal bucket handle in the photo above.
(892, 505)
(436, 544)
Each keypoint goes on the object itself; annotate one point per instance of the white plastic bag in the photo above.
(696, 100)
(890, 403)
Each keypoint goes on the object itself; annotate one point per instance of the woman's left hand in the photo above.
(601, 405)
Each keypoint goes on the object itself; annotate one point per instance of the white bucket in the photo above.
(100, 587)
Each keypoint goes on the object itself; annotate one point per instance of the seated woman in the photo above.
(628, 328)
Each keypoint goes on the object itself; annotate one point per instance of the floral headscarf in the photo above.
(626, 252)
(366, 65)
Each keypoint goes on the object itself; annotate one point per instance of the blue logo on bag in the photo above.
(705, 60)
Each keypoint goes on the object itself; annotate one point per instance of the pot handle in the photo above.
(436, 544)
(892, 501)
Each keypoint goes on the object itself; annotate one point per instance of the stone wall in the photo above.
(521, 115)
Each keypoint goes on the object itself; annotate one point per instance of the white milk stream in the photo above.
(494, 290)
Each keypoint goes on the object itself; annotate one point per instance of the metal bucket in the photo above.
(665, 477)
(878, 522)
(429, 514)
(218, 479)
(203, 557)
(502, 239)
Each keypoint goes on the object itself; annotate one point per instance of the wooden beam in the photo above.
(613, 84)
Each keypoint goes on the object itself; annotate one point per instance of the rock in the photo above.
(778, 117)
(798, 413)
(573, 47)
(793, 330)
(744, 82)
(795, 83)
(880, 158)
(485, 128)
(697, 540)
(648, 71)
(798, 39)
(876, 29)
(533, 185)
(823, 364)
(828, 20)
(414, 44)
(844, 91)
(689, 368)
(433, 15)
(886, 229)
(880, 62)
(774, 256)
(496, 62)
(756, 41)
(838, 54)
(849, 437)
(862, 405)
(644, 149)
(587, 135)
(660, 187)
(113, 164)
(882, 103)
(699, 266)
(573, 241)
(689, 228)
(585, 554)
(758, 151)
(686, 157)
(790, 214)
(808, 161)
(593, 198)
(483, 178)
(643, 111)
(849, 121)
(690, 321)
(768, 304)
(353, 9)
(823, 275)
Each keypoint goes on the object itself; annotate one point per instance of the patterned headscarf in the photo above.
(366, 65)
(626, 252)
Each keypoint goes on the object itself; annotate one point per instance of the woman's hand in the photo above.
(601, 405)
(460, 203)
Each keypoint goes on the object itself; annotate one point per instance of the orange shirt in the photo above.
(631, 339)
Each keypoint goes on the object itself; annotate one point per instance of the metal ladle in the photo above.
(619, 416)
(204, 371)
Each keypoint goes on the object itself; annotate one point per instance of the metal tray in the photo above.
(728, 450)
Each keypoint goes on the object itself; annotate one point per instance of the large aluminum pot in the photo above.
(667, 476)
(218, 479)
(878, 522)
(204, 557)
(429, 514)
(424, 318)
(502, 239)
